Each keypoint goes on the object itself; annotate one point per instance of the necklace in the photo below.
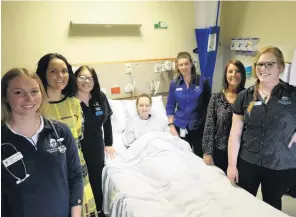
(265, 95)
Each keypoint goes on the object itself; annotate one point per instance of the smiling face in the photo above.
(233, 76)
(85, 81)
(267, 68)
(57, 75)
(23, 96)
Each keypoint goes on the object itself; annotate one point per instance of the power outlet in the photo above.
(129, 88)
(128, 68)
(163, 67)
(157, 68)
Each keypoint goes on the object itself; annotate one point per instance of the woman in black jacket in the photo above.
(95, 142)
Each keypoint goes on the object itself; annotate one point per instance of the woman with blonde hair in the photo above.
(40, 172)
(262, 143)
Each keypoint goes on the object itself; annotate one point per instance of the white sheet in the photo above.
(160, 176)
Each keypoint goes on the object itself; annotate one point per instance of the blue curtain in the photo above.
(207, 57)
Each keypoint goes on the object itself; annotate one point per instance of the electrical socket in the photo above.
(163, 67)
(128, 68)
(157, 68)
(129, 88)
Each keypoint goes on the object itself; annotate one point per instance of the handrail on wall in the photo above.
(126, 61)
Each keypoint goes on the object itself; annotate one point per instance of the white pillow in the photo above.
(130, 109)
(158, 108)
(118, 118)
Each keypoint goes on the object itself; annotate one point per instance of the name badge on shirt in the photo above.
(98, 113)
(98, 109)
(12, 159)
(284, 101)
(257, 103)
(183, 132)
(179, 89)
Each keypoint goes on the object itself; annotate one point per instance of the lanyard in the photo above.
(11, 160)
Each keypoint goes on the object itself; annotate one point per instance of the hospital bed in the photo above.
(159, 176)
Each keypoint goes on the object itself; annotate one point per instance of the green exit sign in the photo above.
(161, 25)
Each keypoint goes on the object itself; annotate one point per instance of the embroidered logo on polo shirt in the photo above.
(285, 101)
(62, 149)
(56, 145)
(53, 143)
(197, 88)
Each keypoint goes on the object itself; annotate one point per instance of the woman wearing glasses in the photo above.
(96, 113)
(262, 143)
(60, 84)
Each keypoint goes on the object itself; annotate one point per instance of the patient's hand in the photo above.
(208, 159)
(110, 151)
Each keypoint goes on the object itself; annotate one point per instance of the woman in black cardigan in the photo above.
(96, 114)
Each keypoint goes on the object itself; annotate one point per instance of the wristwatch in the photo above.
(171, 124)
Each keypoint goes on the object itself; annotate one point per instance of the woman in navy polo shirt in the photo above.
(41, 173)
(187, 103)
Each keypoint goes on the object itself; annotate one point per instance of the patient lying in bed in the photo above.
(143, 122)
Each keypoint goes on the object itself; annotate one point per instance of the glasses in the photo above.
(268, 65)
(84, 78)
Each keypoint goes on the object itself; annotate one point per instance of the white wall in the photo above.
(32, 29)
(272, 22)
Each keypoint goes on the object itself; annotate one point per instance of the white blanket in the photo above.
(160, 176)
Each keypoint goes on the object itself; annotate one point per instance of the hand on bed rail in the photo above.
(109, 152)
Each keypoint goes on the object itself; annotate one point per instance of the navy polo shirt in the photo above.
(55, 183)
(188, 105)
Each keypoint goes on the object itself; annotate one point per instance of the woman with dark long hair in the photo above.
(219, 115)
(59, 82)
(96, 114)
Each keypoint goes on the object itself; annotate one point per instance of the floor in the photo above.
(289, 204)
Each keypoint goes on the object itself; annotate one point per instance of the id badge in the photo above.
(257, 103)
(12, 159)
(182, 132)
(98, 113)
